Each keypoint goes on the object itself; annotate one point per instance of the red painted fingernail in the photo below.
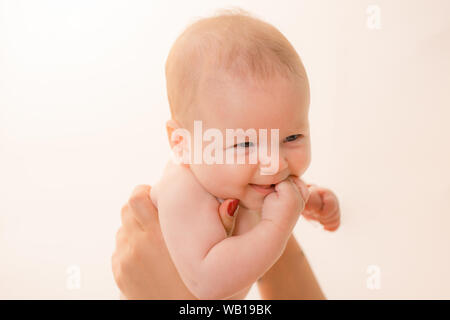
(232, 206)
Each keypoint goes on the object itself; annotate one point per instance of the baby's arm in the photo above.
(198, 244)
(291, 277)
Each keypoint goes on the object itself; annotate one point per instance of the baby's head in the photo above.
(233, 71)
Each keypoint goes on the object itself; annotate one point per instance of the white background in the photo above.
(82, 113)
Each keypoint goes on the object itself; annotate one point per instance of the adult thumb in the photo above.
(227, 213)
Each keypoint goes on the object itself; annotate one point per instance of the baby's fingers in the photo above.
(302, 188)
(315, 203)
(330, 205)
(332, 226)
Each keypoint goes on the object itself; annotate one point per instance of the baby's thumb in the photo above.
(227, 211)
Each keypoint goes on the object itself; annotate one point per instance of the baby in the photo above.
(233, 71)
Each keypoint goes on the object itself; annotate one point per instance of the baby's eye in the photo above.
(293, 137)
(246, 144)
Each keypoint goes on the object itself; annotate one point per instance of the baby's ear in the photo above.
(171, 126)
(180, 142)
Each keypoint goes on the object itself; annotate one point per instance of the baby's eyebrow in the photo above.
(297, 130)
(293, 134)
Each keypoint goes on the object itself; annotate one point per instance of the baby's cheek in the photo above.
(237, 177)
(222, 180)
(299, 161)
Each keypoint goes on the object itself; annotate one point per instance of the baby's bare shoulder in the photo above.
(178, 180)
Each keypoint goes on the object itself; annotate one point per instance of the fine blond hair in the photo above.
(230, 41)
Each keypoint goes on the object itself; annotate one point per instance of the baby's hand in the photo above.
(283, 207)
(323, 206)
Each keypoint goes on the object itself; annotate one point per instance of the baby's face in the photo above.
(230, 103)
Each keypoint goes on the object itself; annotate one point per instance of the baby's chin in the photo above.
(249, 199)
(252, 204)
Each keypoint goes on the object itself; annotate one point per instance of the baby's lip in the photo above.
(263, 185)
(263, 189)
(282, 178)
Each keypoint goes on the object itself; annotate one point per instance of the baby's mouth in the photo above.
(263, 188)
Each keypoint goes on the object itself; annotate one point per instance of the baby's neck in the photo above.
(246, 219)
(245, 210)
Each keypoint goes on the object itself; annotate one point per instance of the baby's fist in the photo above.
(323, 206)
(283, 207)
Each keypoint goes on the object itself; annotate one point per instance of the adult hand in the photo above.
(141, 264)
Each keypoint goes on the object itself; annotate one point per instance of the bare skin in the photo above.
(142, 267)
(204, 255)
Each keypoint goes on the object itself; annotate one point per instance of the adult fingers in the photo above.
(128, 219)
(142, 206)
(227, 213)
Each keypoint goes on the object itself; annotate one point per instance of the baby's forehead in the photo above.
(219, 82)
(225, 101)
(222, 82)
(216, 59)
